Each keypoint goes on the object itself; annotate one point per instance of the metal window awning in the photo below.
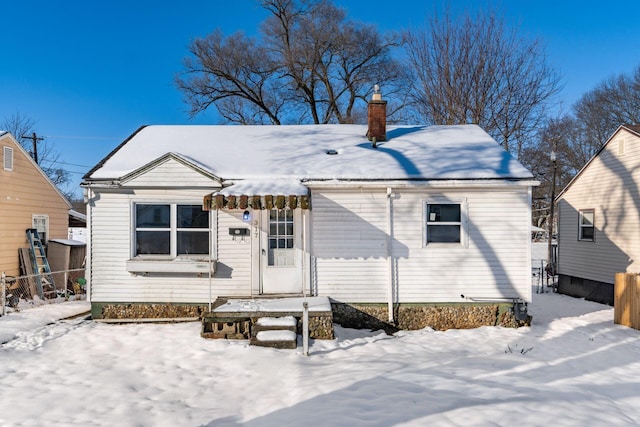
(260, 194)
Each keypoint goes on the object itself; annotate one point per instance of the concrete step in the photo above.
(285, 323)
(284, 339)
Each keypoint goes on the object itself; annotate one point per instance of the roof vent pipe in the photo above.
(377, 117)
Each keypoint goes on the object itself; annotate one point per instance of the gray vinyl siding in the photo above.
(609, 186)
(350, 236)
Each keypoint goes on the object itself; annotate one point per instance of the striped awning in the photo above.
(260, 194)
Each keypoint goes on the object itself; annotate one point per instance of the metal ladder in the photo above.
(40, 264)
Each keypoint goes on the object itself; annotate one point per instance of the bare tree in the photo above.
(612, 103)
(310, 64)
(559, 134)
(476, 70)
(48, 158)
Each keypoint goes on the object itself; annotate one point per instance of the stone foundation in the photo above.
(417, 316)
(320, 327)
(145, 311)
(358, 316)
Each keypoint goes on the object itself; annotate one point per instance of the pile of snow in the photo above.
(573, 366)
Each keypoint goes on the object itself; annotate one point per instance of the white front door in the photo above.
(281, 251)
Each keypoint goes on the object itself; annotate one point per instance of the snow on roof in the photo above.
(68, 242)
(278, 187)
(274, 305)
(307, 152)
(77, 215)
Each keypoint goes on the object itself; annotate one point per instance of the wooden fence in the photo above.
(626, 300)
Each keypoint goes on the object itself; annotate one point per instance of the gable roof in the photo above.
(635, 129)
(170, 156)
(317, 152)
(19, 147)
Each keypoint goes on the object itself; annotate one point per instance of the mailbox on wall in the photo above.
(238, 231)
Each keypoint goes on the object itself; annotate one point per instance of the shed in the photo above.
(65, 255)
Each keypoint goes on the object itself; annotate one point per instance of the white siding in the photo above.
(169, 173)
(494, 264)
(111, 234)
(349, 245)
(609, 185)
(349, 232)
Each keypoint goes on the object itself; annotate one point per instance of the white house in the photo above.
(373, 217)
(599, 219)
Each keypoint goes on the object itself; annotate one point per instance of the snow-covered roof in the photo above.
(77, 215)
(318, 152)
(69, 242)
(284, 187)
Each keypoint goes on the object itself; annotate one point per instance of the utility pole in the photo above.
(35, 139)
(554, 165)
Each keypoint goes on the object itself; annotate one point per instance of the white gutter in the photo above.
(400, 185)
(390, 254)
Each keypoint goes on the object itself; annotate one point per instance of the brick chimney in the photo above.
(377, 118)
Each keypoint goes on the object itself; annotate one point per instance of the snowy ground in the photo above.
(573, 367)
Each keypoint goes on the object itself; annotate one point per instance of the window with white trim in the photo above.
(586, 225)
(170, 230)
(41, 223)
(7, 158)
(444, 222)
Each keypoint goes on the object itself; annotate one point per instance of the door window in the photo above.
(281, 237)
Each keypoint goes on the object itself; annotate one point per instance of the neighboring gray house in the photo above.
(599, 219)
(383, 218)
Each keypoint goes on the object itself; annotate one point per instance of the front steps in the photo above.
(275, 332)
(272, 323)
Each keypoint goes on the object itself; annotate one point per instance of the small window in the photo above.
(444, 223)
(41, 223)
(621, 147)
(171, 230)
(7, 162)
(587, 227)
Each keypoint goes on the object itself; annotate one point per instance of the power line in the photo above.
(102, 138)
(57, 162)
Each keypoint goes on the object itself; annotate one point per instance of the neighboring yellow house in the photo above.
(599, 220)
(28, 199)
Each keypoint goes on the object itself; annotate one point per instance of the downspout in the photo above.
(304, 253)
(88, 197)
(390, 255)
(213, 239)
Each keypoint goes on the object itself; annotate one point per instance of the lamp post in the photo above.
(554, 164)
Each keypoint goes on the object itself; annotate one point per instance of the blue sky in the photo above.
(91, 72)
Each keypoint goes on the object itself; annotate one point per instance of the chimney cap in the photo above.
(377, 96)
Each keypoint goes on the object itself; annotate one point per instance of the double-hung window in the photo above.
(170, 230)
(444, 222)
(586, 226)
